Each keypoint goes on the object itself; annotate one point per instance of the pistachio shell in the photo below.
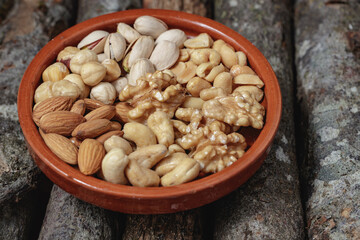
(94, 41)
(147, 25)
(173, 35)
(142, 48)
(128, 32)
(164, 55)
(139, 69)
(115, 46)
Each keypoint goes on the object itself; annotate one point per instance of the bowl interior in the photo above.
(131, 199)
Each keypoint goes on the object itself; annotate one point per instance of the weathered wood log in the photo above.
(94, 8)
(199, 7)
(328, 73)
(268, 206)
(21, 218)
(28, 27)
(182, 225)
(70, 218)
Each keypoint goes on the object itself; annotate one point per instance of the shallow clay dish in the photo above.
(153, 200)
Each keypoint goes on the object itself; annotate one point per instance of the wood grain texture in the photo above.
(328, 72)
(268, 206)
(199, 7)
(19, 43)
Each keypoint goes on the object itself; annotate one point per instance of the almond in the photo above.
(92, 104)
(79, 107)
(115, 126)
(61, 146)
(51, 105)
(109, 134)
(75, 141)
(60, 122)
(91, 129)
(106, 112)
(122, 109)
(91, 153)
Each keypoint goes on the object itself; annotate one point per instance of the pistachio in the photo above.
(94, 41)
(115, 46)
(139, 69)
(165, 55)
(173, 35)
(142, 48)
(147, 25)
(128, 32)
(101, 57)
(203, 40)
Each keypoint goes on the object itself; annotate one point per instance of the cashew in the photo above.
(203, 40)
(141, 177)
(184, 71)
(149, 156)
(117, 142)
(214, 72)
(211, 93)
(228, 55)
(224, 81)
(159, 122)
(248, 79)
(187, 170)
(193, 102)
(242, 59)
(196, 85)
(113, 166)
(140, 134)
(184, 55)
(238, 69)
(199, 56)
(169, 163)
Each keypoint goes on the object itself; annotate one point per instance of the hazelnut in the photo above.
(83, 56)
(113, 70)
(55, 72)
(66, 54)
(65, 88)
(92, 73)
(104, 92)
(76, 78)
(43, 91)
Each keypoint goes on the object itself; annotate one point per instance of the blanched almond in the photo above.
(91, 153)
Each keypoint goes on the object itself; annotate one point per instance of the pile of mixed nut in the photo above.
(148, 106)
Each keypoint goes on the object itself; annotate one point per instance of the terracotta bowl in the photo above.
(152, 200)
